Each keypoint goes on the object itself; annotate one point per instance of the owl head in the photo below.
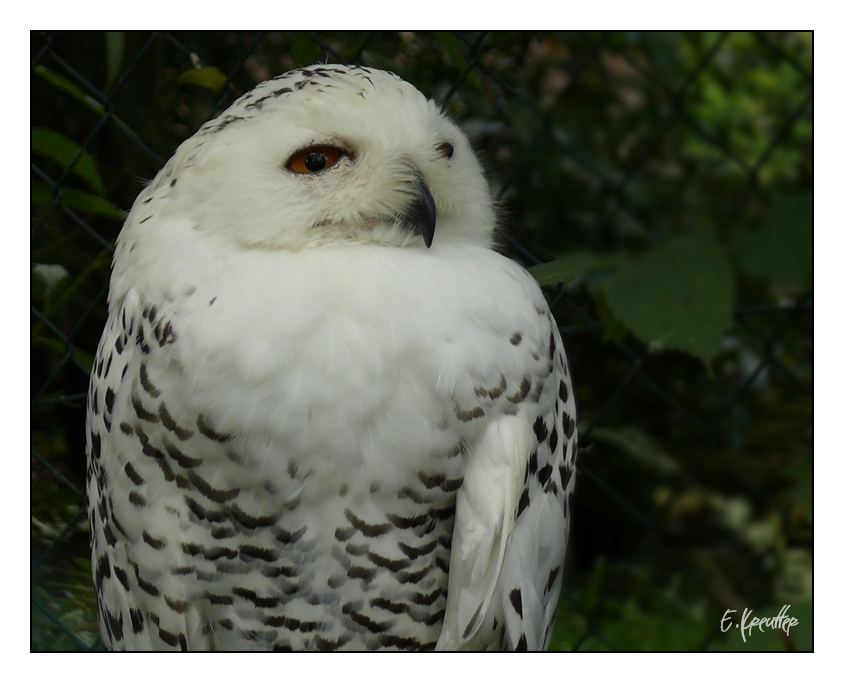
(330, 154)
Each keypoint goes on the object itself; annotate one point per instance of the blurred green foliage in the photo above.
(666, 178)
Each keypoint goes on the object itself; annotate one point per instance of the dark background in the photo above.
(669, 177)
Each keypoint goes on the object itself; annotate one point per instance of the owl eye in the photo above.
(314, 159)
(446, 150)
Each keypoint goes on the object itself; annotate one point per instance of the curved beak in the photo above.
(420, 215)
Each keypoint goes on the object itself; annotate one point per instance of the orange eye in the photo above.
(314, 159)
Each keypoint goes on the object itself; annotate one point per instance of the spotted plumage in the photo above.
(324, 413)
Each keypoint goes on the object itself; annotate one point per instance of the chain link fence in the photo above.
(665, 177)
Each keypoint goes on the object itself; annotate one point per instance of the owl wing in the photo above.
(511, 524)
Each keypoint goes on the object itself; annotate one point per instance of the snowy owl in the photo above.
(325, 413)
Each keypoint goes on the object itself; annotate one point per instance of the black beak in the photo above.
(420, 216)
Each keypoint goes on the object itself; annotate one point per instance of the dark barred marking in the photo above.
(154, 543)
(532, 463)
(552, 343)
(492, 393)
(335, 582)
(137, 618)
(368, 530)
(275, 572)
(196, 508)
(365, 621)
(426, 600)
(109, 400)
(516, 600)
(102, 572)
(545, 474)
(182, 571)
(257, 553)
(249, 521)
(564, 391)
(413, 577)
(552, 577)
(291, 624)
(516, 338)
(111, 539)
(290, 536)
(183, 460)
(565, 475)
(326, 645)
(524, 501)
(386, 563)
(521, 395)
(357, 550)
(253, 597)
(357, 572)
(551, 487)
(122, 576)
(431, 481)
(96, 445)
(214, 495)
(145, 586)
(568, 425)
(178, 606)
(521, 646)
(212, 554)
(220, 599)
(406, 522)
(388, 605)
(413, 553)
(540, 429)
(344, 535)
(441, 514)
(415, 496)
(137, 499)
(226, 624)
(115, 625)
(168, 421)
(132, 473)
(432, 619)
(164, 335)
(142, 412)
(468, 416)
(118, 344)
(171, 639)
(552, 440)
(206, 430)
(151, 389)
(125, 428)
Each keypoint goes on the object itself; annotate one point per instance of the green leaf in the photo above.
(63, 151)
(453, 47)
(781, 250)
(303, 50)
(208, 77)
(614, 329)
(640, 447)
(677, 296)
(572, 265)
(77, 200)
(115, 48)
(65, 85)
